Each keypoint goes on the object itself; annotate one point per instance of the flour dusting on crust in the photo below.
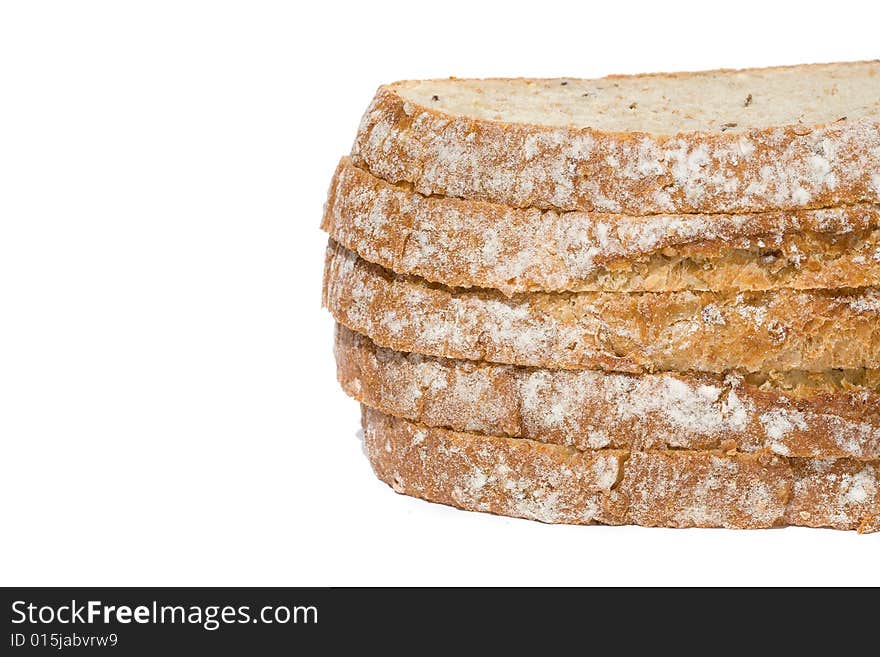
(521, 250)
(579, 168)
(775, 330)
(591, 409)
(682, 488)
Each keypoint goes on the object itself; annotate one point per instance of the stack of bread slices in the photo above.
(645, 300)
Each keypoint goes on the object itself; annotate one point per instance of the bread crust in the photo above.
(478, 244)
(502, 475)
(702, 331)
(589, 409)
(666, 488)
(838, 493)
(638, 173)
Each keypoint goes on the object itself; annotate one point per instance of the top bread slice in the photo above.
(715, 141)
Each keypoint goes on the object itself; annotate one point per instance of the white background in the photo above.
(168, 408)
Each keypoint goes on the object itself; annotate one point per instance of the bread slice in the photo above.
(829, 415)
(666, 488)
(713, 141)
(471, 243)
(703, 331)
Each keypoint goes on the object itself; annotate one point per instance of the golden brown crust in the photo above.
(668, 488)
(701, 489)
(842, 493)
(545, 246)
(591, 410)
(472, 243)
(703, 331)
(569, 168)
(506, 476)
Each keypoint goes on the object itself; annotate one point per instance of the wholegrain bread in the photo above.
(714, 141)
(670, 488)
(703, 331)
(829, 415)
(478, 244)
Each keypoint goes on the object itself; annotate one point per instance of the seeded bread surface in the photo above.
(714, 141)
